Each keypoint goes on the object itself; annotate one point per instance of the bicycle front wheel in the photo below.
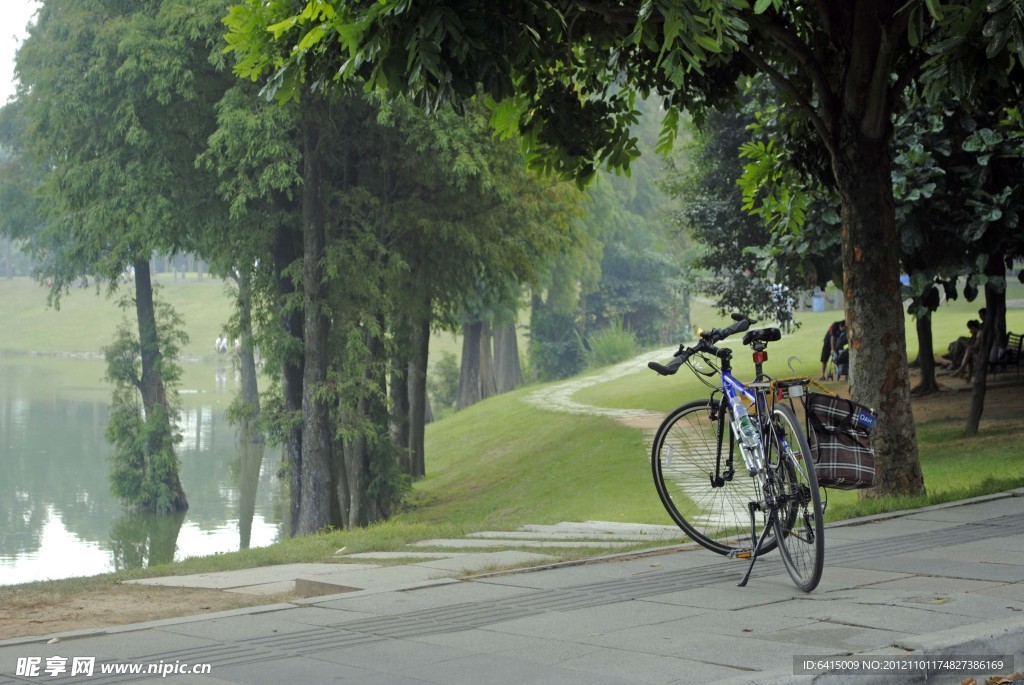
(799, 526)
(713, 500)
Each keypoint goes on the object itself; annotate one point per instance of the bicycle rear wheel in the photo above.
(799, 525)
(686, 459)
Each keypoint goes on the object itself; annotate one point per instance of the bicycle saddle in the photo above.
(764, 335)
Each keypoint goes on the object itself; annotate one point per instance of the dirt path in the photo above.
(560, 396)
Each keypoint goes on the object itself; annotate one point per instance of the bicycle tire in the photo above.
(799, 526)
(683, 458)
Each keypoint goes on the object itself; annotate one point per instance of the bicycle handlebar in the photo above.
(705, 344)
(718, 334)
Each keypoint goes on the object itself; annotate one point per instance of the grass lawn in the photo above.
(86, 320)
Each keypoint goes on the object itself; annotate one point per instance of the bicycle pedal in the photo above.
(740, 553)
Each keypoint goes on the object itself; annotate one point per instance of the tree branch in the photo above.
(791, 43)
(820, 124)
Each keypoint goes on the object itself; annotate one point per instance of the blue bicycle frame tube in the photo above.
(732, 387)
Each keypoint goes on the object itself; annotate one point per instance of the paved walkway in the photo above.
(941, 582)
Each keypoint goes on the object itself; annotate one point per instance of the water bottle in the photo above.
(746, 433)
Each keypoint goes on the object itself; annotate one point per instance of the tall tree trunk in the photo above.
(874, 308)
(469, 373)
(398, 388)
(992, 334)
(925, 357)
(508, 372)
(418, 408)
(286, 249)
(247, 360)
(315, 502)
(369, 428)
(151, 386)
(981, 355)
(488, 384)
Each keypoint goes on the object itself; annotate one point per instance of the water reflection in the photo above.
(140, 539)
(57, 516)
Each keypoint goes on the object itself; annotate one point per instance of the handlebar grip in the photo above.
(719, 334)
(669, 370)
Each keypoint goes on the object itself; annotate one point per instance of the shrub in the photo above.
(610, 345)
(443, 381)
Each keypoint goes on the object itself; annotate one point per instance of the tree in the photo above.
(104, 87)
(255, 153)
(20, 178)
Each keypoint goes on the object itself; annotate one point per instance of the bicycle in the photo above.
(771, 494)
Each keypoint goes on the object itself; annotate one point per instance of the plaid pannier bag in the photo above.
(840, 441)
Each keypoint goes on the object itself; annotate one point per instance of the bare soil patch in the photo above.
(29, 611)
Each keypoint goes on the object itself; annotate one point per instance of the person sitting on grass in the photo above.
(831, 344)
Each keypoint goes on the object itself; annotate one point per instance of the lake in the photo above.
(57, 516)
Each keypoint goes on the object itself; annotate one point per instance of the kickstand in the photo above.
(757, 547)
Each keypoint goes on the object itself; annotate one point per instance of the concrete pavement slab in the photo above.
(274, 671)
(253, 576)
(532, 648)
(911, 564)
(674, 616)
(399, 556)
(722, 599)
(936, 585)
(875, 530)
(1010, 592)
(837, 638)
(1008, 550)
(404, 602)
(613, 527)
(865, 613)
(477, 543)
(560, 536)
(293, 621)
(684, 640)
(481, 563)
(580, 624)
(627, 666)
(975, 513)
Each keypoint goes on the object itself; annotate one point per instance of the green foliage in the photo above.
(745, 254)
(144, 466)
(610, 345)
(443, 381)
(554, 351)
(637, 288)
